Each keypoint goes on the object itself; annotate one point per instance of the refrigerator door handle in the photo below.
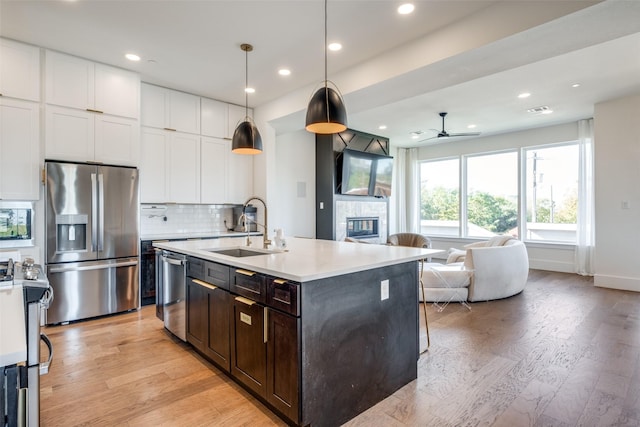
(94, 213)
(101, 212)
(93, 267)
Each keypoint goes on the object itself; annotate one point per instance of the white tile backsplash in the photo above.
(184, 219)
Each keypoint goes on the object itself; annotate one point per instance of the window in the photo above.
(532, 194)
(492, 195)
(552, 193)
(16, 224)
(440, 197)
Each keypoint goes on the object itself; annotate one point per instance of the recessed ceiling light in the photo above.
(382, 127)
(524, 95)
(284, 71)
(549, 111)
(405, 9)
(575, 85)
(250, 90)
(132, 57)
(335, 46)
(471, 127)
(416, 134)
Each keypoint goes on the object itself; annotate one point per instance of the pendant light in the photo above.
(326, 113)
(246, 138)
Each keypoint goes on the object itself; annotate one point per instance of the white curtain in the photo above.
(585, 241)
(407, 191)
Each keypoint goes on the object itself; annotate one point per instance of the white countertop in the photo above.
(305, 259)
(13, 338)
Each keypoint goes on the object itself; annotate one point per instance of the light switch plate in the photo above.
(384, 290)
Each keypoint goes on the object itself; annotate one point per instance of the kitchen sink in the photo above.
(240, 252)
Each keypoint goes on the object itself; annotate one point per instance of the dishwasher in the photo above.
(173, 278)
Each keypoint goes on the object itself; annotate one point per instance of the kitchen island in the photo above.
(319, 332)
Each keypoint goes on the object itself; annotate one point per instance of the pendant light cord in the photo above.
(246, 83)
(325, 43)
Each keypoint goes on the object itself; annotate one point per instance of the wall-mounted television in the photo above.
(364, 174)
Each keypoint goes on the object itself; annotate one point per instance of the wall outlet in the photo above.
(384, 290)
(321, 205)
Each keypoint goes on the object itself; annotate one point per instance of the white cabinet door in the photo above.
(116, 140)
(84, 136)
(19, 70)
(153, 106)
(19, 150)
(183, 168)
(235, 116)
(153, 173)
(214, 118)
(69, 81)
(78, 83)
(213, 170)
(117, 91)
(184, 112)
(69, 134)
(170, 109)
(239, 177)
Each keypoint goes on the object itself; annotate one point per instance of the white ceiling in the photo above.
(468, 57)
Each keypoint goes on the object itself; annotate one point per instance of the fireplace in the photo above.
(361, 219)
(362, 227)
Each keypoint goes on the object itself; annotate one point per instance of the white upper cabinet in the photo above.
(220, 119)
(225, 177)
(239, 177)
(214, 118)
(183, 168)
(19, 70)
(153, 174)
(83, 136)
(214, 153)
(169, 167)
(19, 150)
(78, 83)
(170, 109)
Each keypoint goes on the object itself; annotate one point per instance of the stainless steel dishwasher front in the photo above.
(174, 278)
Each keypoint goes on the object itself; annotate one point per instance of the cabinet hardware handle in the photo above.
(246, 272)
(265, 324)
(44, 175)
(205, 284)
(171, 129)
(279, 281)
(91, 110)
(246, 301)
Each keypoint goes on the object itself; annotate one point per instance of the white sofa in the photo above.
(493, 269)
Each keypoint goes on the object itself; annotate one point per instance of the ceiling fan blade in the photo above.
(427, 139)
(453, 135)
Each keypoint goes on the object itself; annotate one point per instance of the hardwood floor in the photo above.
(562, 353)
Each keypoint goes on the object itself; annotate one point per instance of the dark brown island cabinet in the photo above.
(318, 353)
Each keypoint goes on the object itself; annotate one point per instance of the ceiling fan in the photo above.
(444, 134)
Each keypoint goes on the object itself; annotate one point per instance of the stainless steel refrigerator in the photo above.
(91, 240)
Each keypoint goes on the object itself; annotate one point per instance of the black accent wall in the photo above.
(328, 147)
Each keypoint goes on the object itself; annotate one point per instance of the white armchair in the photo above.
(493, 269)
(498, 271)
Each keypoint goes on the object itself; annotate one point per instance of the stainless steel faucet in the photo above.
(266, 241)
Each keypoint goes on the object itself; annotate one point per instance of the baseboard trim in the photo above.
(550, 265)
(617, 282)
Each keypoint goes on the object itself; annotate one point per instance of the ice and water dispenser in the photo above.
(71, 233)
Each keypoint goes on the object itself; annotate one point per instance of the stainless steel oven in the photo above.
(29, 293)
